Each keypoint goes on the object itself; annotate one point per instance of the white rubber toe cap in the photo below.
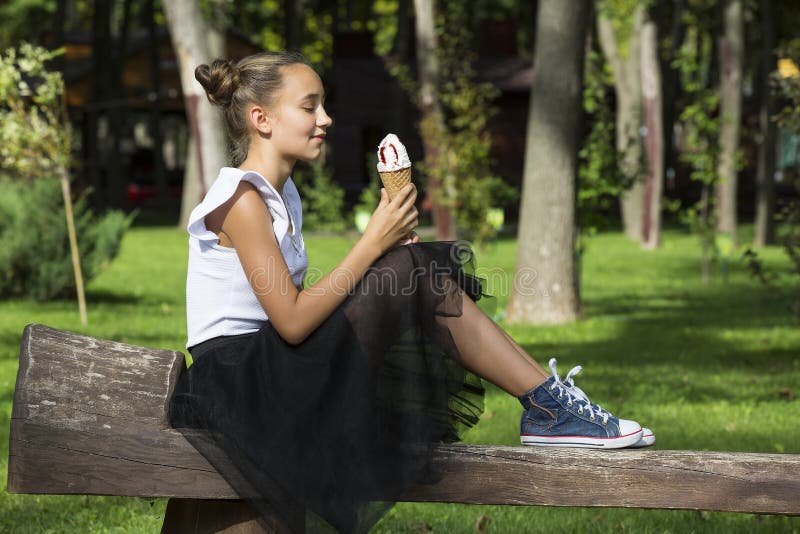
(627, 427)
(648, 438)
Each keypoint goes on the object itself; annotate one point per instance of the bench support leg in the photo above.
(218, 516)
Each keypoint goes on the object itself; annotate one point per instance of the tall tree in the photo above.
(546, 285)
(731, 51)
(431, 111)
(653, 134)
(627, 84)
(207, 146)
(765, 185)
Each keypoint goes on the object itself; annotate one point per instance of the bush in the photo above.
(35, 260)
(322, 198)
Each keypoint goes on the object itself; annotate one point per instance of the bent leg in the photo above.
(518, 348)
(490, 353)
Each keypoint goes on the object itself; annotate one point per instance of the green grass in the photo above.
(711, 367)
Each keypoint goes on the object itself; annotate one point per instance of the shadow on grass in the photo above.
(681, 343)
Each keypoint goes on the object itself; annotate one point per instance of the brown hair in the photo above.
(233, 86)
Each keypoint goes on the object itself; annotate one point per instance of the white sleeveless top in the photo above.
(219, 298)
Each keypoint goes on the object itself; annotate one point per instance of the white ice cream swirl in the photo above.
(392, 155)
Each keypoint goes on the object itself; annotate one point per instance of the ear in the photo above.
(260, 119)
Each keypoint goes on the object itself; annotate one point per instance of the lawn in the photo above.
(707, 367)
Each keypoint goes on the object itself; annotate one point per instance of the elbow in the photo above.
(293, 339)
(292, 336)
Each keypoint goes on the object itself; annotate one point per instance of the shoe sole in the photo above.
(582, 441)
(646, 441)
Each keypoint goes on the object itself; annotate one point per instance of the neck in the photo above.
(271, 166)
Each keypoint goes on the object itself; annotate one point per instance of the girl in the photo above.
(331, 397)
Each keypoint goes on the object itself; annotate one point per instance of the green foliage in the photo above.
(322, 198)
(701, 150)
(786, 86)
(621, 14)
(35, 136)
(384, 29)
(16, 17)
(385, 20)
(600, 180)
(772, 278)
(370, 196)
(463, 163)
(371, 193)
(34, 259)
(35, 150)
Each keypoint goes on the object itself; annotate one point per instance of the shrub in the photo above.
(35, 260)
(322, 198)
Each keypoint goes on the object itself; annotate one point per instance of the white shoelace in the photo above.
(574, 393)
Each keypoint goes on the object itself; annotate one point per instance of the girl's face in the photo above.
(299, 119)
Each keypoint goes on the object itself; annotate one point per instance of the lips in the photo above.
(320, 137)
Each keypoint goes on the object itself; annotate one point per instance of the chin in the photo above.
(312, 158)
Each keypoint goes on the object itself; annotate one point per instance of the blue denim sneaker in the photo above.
(559, 416)
(648, 437)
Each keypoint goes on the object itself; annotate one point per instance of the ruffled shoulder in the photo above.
(223, 189)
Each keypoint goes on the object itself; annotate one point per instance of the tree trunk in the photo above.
(545, 281)
(627, 83)
(730, 63)
(190, 39)
(654, 135)
(765, 184)
(431, 111)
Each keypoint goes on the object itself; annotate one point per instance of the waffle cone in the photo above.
(394, 181)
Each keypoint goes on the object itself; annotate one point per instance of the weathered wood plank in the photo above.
(688, 480)
(82, 399)
(123, 446)
(59, 368)
(693, 480)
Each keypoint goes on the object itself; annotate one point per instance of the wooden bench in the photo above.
(90, 417)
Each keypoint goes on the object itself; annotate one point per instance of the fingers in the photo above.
(411, 238)
(411, 217)
(384, 197)
(408, 194)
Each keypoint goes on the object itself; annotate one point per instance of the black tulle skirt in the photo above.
(341, 424)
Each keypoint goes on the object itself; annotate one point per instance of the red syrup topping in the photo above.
(396, 154)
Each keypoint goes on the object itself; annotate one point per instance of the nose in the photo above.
(323, 119)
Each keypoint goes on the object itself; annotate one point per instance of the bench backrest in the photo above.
(90, 417)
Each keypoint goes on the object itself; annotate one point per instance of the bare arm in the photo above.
(296, 313)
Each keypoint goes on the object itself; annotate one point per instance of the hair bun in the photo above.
(220, 80)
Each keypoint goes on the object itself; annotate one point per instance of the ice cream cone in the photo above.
(394, 181)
